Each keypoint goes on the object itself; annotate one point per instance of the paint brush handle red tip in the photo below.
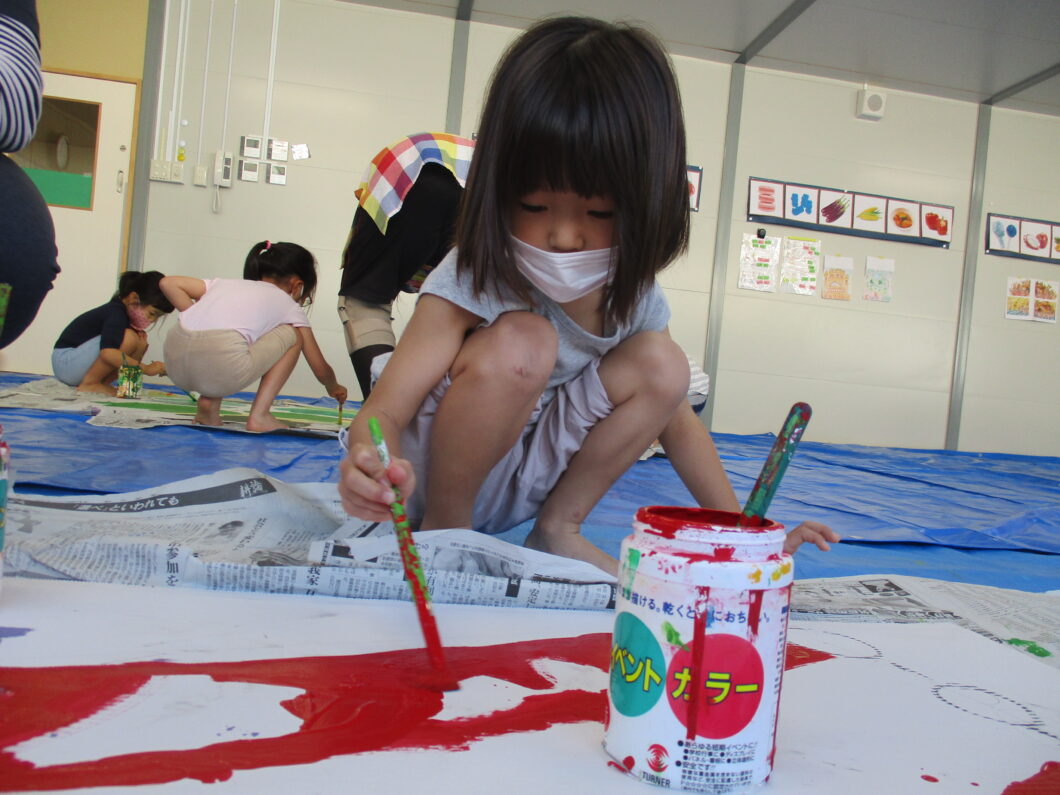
(410, 561)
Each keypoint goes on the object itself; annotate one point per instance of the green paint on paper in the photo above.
(1031, 646)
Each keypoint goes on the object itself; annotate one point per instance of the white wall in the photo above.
(1012, 382)
(350, 78)
(875, 373)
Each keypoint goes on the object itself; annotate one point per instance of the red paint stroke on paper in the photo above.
(932, 779)
(351, 704)
(1045, 782)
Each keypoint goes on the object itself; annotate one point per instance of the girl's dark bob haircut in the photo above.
(145, 285)
(581, 105)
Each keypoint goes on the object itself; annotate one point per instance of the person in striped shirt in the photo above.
(28, 261)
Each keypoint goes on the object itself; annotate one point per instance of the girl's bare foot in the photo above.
(264, 423)
(98, 389)
(567, 541)
(209, 411)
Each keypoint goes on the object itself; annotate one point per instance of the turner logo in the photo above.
(657, 758)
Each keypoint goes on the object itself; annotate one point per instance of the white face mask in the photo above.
(562, 277)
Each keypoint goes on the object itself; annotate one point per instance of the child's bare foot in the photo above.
(567, 541)
(98, 389)
(264, 423)
(209, 411)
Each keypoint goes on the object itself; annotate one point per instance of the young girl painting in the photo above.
(537, 366)
(98, 342)
(235, 331)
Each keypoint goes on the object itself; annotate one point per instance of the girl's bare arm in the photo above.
(425, 352)
(323, 371)
(182, 291)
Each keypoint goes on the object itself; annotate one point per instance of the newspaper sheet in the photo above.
(240, 530)
(1027, 621)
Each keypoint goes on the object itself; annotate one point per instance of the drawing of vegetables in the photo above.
(870, 214)
(999, 232)
(937, 223)
(902, 219)
(1036, 242)
(834, 211)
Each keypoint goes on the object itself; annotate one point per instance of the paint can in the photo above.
(130, 381)
(697, 655)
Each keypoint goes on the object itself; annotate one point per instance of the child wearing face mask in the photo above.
(98, 342)
(537, 366)
(234, 331)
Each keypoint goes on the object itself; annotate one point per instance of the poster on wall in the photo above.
(800, 262)
(869, 214)
(758, 263)
(1024, 238)
(800, 203)
(849, 212)
(1031, 299)
(835, 208)
(695, 185)
(835, 281)
(767, 198)
(903, 218)
(879, 279)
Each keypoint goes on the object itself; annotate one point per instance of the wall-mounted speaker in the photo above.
(871, 104)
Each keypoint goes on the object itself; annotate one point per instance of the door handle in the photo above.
(121, 182)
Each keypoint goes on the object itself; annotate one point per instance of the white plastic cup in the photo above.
(697, 657)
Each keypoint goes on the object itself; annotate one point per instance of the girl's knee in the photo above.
(656, 363)
(520, 347)
(134, 343)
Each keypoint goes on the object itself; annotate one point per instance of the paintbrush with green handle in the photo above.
(410, 560)
(754, 510)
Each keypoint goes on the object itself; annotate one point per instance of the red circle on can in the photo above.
(729, 689)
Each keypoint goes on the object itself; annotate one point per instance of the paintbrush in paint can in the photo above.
(754, 510)
(410, 561)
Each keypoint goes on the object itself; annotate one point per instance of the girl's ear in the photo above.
(296, 287)
(132, 298)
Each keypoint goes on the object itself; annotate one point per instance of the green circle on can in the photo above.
(638, 670)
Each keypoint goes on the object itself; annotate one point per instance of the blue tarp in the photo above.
(976, 517)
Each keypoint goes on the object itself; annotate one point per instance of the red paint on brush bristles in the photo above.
(410, 562)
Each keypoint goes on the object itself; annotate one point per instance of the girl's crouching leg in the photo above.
(496, 380)
(646, 378)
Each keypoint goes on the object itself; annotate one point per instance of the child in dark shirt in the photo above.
(96, 343)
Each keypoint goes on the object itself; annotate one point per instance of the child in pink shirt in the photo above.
(233, 331)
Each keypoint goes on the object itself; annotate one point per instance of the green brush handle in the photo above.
(754, 511)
